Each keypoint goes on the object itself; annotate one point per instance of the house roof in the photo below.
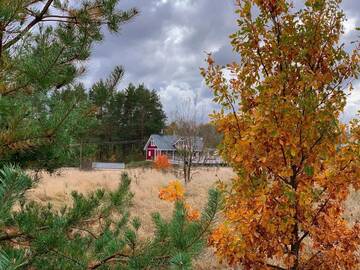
(167, 142)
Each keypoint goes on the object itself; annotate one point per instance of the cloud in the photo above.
(165, 46)
(350, 25)
(181, 98)
(352, 107)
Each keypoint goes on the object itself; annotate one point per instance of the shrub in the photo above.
(162, 162)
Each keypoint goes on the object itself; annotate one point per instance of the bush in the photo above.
(162, 162)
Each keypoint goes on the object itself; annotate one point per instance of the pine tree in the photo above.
(42, 111)
(43, 45)
(132, 114)
(97, 232)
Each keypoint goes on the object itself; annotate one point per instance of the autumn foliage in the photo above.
(295, 161)
(176, 192)
(172, 192)
(162, 162)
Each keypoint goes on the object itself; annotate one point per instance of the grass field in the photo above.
(145, 186)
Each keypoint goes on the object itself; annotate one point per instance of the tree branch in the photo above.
(275, 266)
(234, 113)
(106, 260)
(306, 233)
(36, 20)
(10, 236)
(66, 257)
(262, 62)
(85, 230)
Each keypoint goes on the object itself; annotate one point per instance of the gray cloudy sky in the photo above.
(165, 46)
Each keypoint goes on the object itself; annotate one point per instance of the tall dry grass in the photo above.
(145, 186)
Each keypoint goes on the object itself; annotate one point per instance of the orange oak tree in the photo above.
(295, 161)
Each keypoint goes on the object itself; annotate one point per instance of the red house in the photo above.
(170, 145)
(160, 145)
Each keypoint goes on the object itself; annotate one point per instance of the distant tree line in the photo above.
(124, 119)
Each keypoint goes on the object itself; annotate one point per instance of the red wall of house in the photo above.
(150, 152)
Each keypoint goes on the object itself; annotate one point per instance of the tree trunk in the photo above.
(188, 175)
(295, 246)
(184, 168)
(187, 166)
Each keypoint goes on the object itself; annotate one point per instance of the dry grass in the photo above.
(145, 185)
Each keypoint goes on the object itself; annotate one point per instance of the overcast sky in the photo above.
(165, 45)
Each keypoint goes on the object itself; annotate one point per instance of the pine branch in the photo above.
(107, 260)
(213, 204)
(35, 21)
(67, 257)
(48, 69)
(87, 231)
(11, 236)
(46, 136)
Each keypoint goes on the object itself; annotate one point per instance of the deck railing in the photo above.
(199, 161)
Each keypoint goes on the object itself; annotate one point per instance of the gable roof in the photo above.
(164, 142)
(167, 142)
